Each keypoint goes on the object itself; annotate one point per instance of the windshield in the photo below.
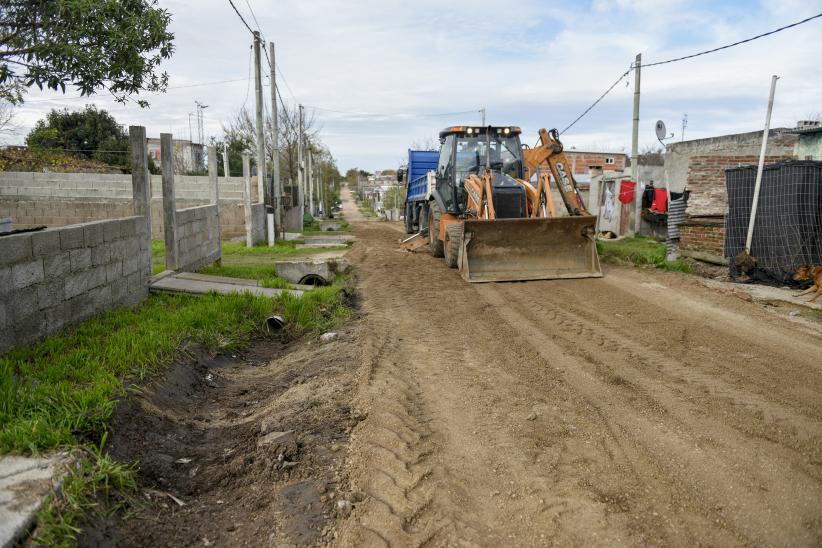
(506, 156)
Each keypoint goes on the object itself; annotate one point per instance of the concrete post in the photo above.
(249, 241)
(141, 191)
(637, 220)
(277, 190)
(214, 192)
(258, 95)
(169, 201)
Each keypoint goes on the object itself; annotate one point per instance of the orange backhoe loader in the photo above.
(491, 213)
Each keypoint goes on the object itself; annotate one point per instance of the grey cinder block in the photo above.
(26, 274)
(80, 259)
(50, 294)
(21, 303)
(57, 266)
(45, 242)
(93, 233)
(101, 254)
(15, 248)
(72, 237)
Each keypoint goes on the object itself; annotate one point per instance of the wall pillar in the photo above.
(141, 192)
(249, 219)
(169, 201)
(215, 193)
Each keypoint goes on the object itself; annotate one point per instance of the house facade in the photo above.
(188, 157)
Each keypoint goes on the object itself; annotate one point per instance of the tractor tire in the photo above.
(434, 243)
(409, 219)
(453, 243)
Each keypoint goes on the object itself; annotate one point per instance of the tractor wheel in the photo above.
(434, 243)
(453, 242)
(409, 219)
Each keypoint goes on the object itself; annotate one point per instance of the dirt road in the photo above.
(636, 409)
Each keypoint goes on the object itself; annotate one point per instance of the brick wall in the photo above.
(60, 276)
(580, 160)
(198, 239)
(706, 179)
(704, 235)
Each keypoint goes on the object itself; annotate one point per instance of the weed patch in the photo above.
(639, 251)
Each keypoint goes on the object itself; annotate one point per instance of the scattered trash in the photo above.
(744, 296)
(274, 323)
(344, 507)
(794, 313)
(327, 337)
(183, 460)
(531, 417)
(158, 493)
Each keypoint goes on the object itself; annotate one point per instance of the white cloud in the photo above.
(531, 63)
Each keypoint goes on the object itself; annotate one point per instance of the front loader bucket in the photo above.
(529, 249)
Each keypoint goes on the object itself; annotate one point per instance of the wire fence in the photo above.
(788, 231)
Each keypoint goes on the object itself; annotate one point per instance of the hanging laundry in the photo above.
(660, 203)
(609, 206)
(626, 191)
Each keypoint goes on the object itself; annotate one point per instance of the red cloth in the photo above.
(660, 203)
(626, 191)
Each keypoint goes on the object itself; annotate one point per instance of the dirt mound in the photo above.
(243, 449)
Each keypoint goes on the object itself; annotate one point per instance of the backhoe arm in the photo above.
(550, 152)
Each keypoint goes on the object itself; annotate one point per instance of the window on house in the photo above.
(609, 160)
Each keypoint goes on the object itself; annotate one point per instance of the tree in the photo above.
(427, 143)
(651, 156)
(88, 133)
(113, 45)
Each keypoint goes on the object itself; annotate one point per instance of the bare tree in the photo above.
(7, 123)
(428, 143)
(242, 127)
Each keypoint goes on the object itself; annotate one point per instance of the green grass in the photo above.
(61, 392)
(95, 482)
(639, 251)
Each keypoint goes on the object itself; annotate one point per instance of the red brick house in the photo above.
(609, 161)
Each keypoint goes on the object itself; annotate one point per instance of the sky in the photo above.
(379, 75)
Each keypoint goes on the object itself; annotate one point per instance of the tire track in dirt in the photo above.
(737, 469)
(531, 414)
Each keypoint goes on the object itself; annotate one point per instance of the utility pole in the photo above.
(300, 170)
(310, 181)
(482, 110)
(760, 166)
(684, 125)
(276, 219)
(258, 93)
(635, 149)
(225, 160)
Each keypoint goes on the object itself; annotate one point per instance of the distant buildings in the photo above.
(188, 156)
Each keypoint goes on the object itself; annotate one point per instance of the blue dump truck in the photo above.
(421, 180)
(484, 204)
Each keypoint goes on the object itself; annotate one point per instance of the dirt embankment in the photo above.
(637, 409)
(244, 449)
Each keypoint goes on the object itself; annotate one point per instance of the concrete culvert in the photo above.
(313, 279)
(274, 323)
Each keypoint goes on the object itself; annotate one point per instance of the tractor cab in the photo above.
(468, 150)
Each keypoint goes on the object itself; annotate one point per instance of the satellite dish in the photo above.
(661, 131)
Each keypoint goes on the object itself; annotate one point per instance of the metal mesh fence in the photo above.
(788, 230)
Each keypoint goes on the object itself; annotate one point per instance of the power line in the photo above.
(247, 3)
(294, 97)
(691, 56)
(88, 97)
(751, 39)
(595, 103)
(394, 115)
(248, 81)
(240, 15)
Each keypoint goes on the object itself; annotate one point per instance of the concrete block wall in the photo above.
(57, 277)
(60, 199)
(198, 239)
